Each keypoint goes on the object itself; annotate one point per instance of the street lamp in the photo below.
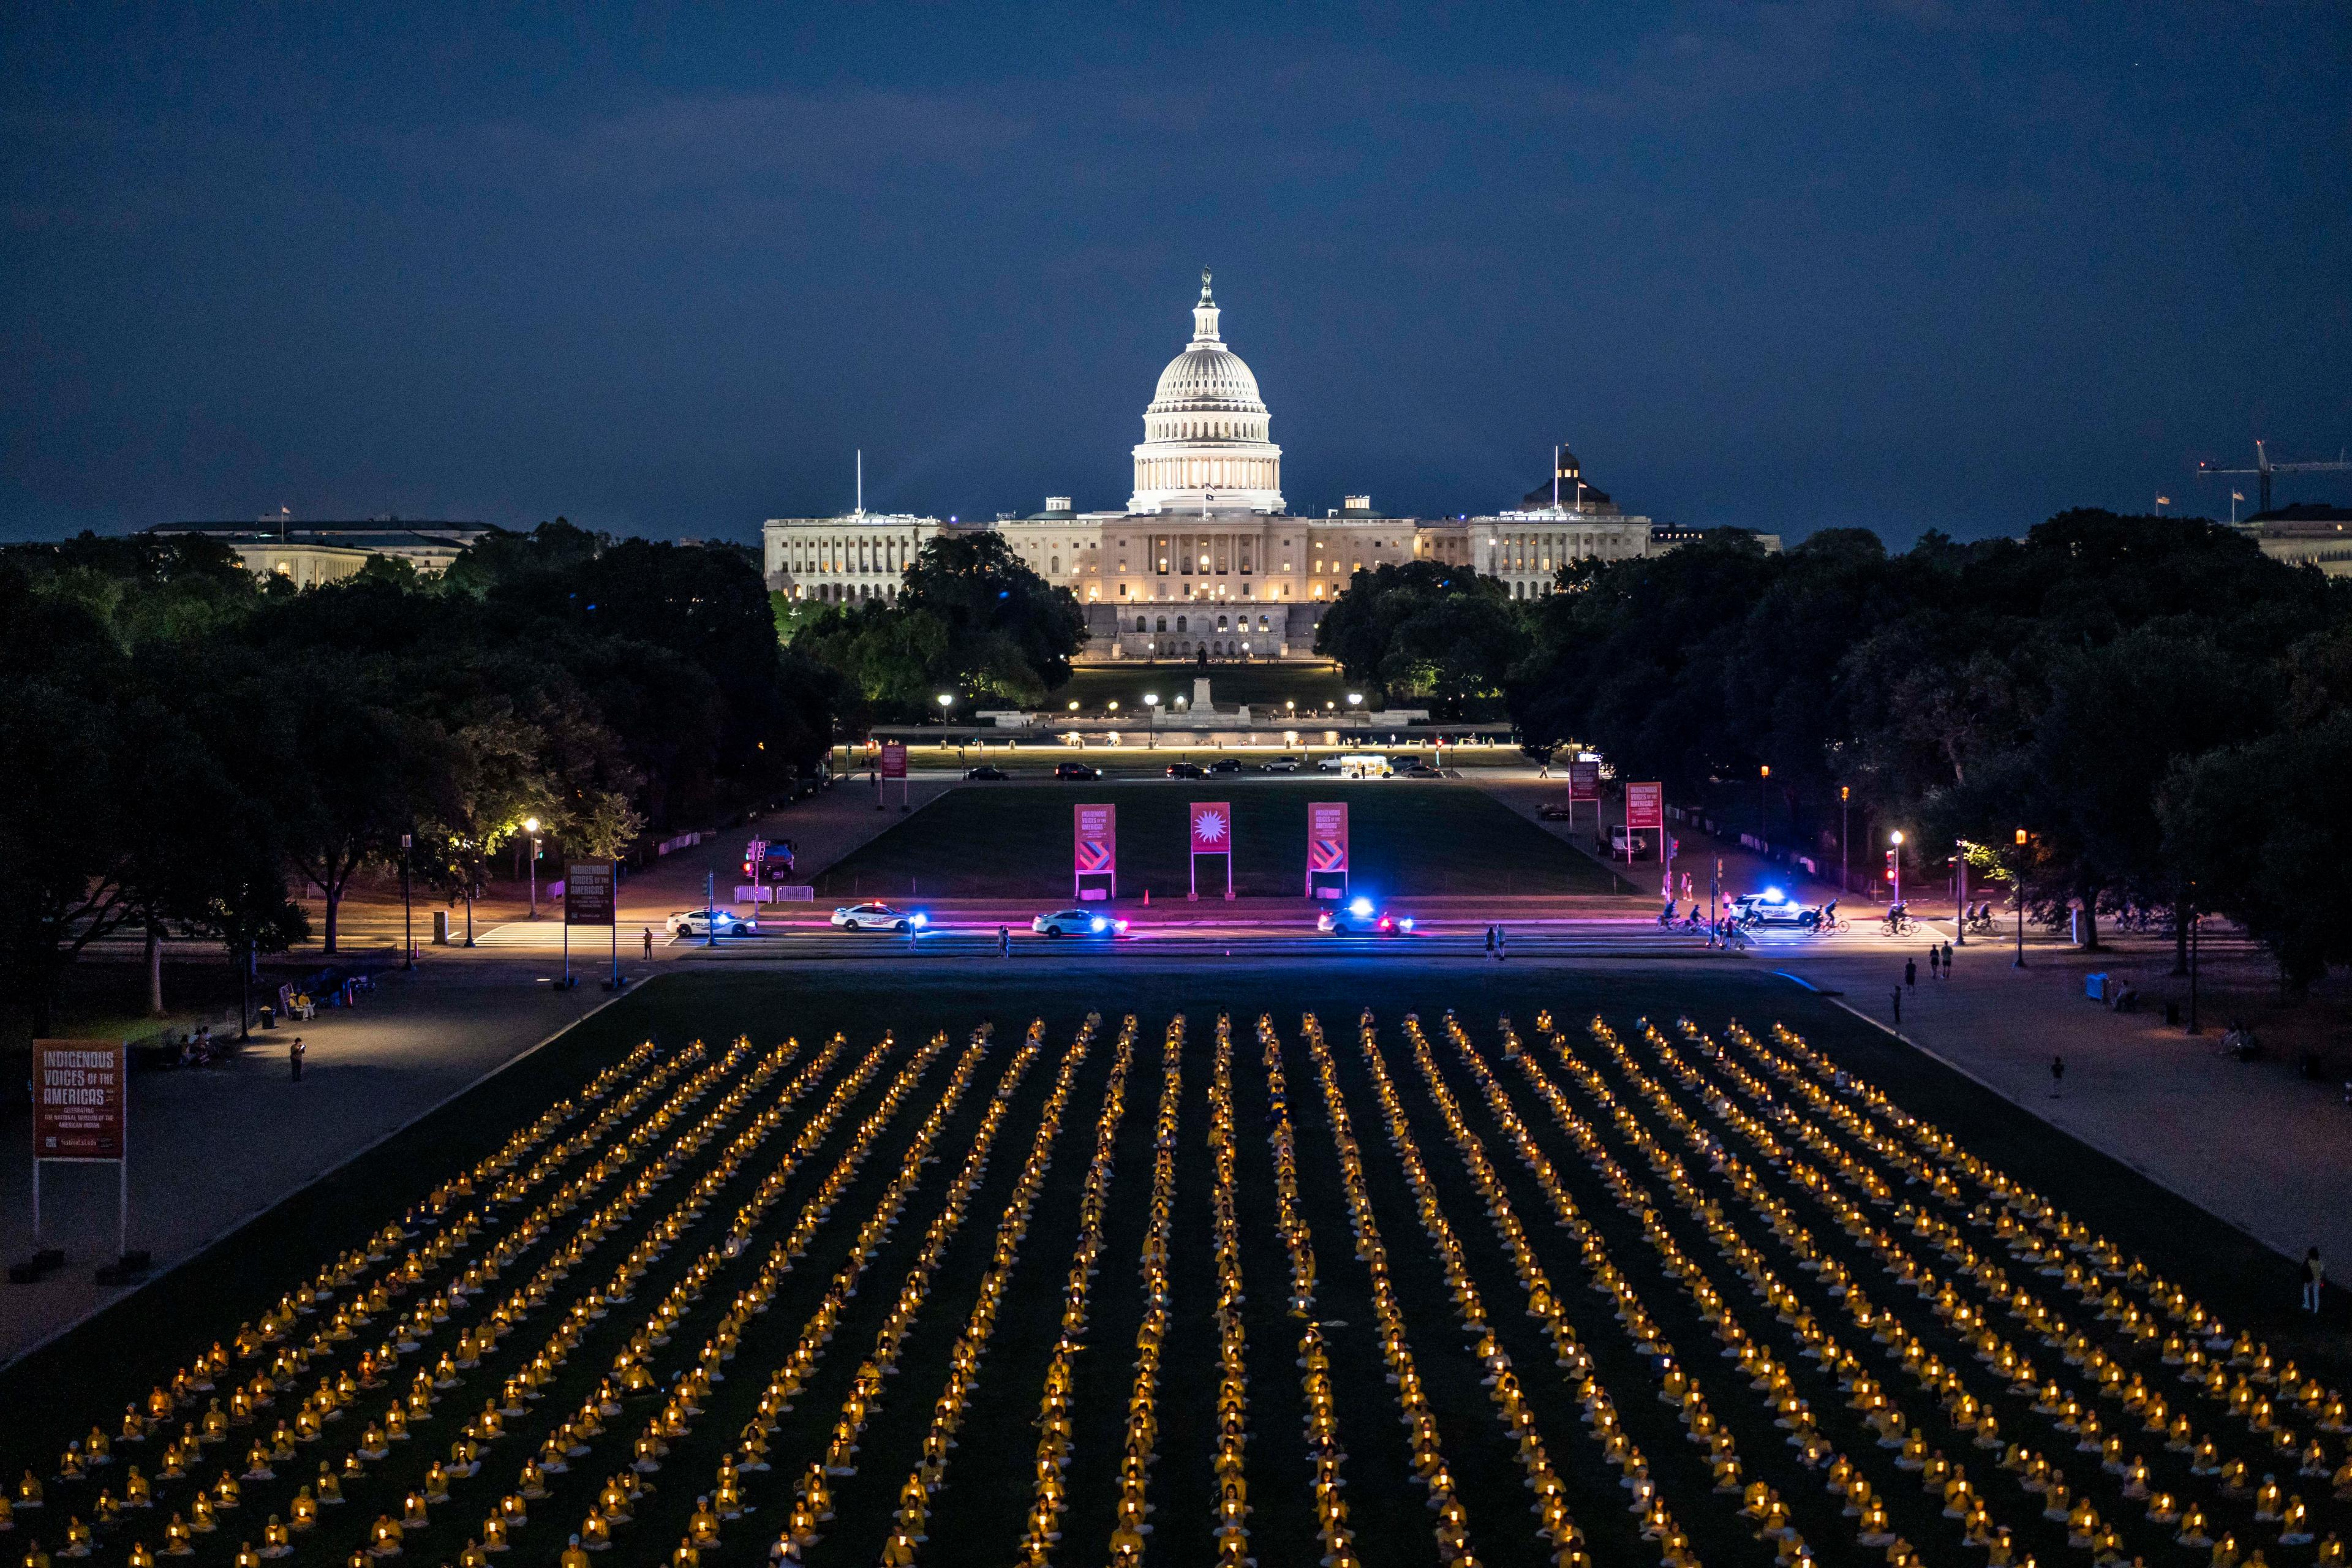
(1845, 831)
(530, 827)
(947, 700)
(408, 927)
(1763, 803)
(1895, 863)
(1960, 868)
(2196, 924)
(1151, 701)
(2017, 884)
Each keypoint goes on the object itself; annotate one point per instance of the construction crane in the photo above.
(2265, 468)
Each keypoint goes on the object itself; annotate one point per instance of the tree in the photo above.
(1422, 628)
(971, 617)
(2259, 833)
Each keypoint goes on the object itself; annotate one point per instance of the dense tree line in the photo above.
(970, 619)
(2164, 711)
(186, 740)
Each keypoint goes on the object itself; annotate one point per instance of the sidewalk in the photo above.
(210, 1149)
(2250, 1142)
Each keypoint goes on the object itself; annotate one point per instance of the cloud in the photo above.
(839, 141)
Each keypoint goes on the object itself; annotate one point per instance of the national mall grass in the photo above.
(1409, 837)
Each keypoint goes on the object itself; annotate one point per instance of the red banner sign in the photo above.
(894, 759)
(1094, 840)
(1326, 836)
(1645, 805)
(77, 1096)
(588, 893)
(1584, 780)
(1212, 828)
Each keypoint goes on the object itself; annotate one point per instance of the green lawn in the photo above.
(976, 1517)
(1407, 836)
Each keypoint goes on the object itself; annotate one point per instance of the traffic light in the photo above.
(1892, 865)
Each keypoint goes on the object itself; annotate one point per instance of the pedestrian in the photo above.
(2314, 1275)
(1935, 962)
(1502, 944)
(1543, 765)
(2057, 1074)
(1898, 1006)
(1003, 941)
(1490, 942)
(649, 941)
(1948, 961)
(1910, 972)
(294, 1062)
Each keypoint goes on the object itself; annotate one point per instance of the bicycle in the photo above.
(1898, 925)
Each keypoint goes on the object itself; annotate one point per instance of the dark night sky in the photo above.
(1787, 266)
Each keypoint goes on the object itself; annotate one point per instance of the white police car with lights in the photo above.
(1079, 922)
(1365, 917)
(878, 917)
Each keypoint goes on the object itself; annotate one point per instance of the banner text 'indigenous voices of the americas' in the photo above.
(78, 1099)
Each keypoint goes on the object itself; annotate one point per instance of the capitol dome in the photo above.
(1206, 442)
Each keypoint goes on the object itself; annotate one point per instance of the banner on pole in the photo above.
(1094, 840)
(894, 759)
(1645, 806)
(588, 893)
(1326, 836)
(1212, 828)
(1584, 780)
(78, 1091)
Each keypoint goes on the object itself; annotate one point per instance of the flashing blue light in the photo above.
(923, 919)
(1100, 924)
(1361, 908)
(1406, 922)
(1773, 895)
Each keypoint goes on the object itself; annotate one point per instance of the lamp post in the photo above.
(2196, 922)
(1763, 803)
(1151, 702)
(947, 702)
(1960, 915)
(530, 827)
(1895, 863)
(2017, 884)
(1845, 832)
(408, 927)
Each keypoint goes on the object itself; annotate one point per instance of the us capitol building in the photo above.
(1206, 558)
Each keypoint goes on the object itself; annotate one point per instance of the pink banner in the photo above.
(1326, 836)
(1645, 805)
(1094, 838)
(1212, 828)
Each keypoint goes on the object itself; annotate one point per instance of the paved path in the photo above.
(2250, 1143)
(212, 1148)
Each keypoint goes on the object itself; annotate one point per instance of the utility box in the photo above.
(440, 928)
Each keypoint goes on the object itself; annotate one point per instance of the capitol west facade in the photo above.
(1206, 558)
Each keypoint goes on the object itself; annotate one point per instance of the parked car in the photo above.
(1186, 771)
(1619, 843)
(988, 772)
(1417, 769)
(1075, 771)
(1079, 922)
(878, 917)
(1279, 765)
(1225, 765)
(1557, 811)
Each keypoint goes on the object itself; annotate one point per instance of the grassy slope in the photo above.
(1408, 838)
